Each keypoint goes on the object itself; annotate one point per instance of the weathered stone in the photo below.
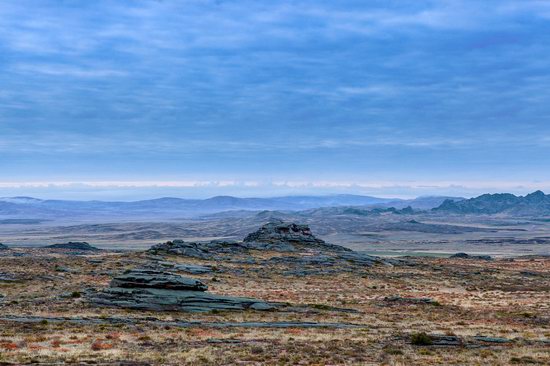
(363, 259)
(8, 277)
(276, 236)
(81, 246)
(410, 300)
(145, 289)
(179, 324)
(320, 259)
(145, 278)
(468, 256)
(184, 267)
(285, 237)
(446, 341)
(491, 339)
(173, 300)
(206, 250)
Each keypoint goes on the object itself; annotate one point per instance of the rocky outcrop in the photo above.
(207, 250)
(468, 256)
(277, 236)
(410, 300)
(285, 236)
(146, 278)
(185, 267)
(145, 289)
(306, 250)
(533, 204)
(80, 246)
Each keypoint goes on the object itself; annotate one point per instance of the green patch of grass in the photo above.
(421, 339)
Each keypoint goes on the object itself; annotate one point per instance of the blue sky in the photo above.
(261, 98)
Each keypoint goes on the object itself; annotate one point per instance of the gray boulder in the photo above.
(468, 256)
(154, 299)
(198, 250)
(286, 237)
(145, 289)
(81, 246)
(147, 278)
(185, 267)
(275, 236)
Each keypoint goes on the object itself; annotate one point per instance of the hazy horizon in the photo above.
(202, 190)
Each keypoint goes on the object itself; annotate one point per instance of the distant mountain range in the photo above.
(536, 203)
(161, 208)
(29, 210)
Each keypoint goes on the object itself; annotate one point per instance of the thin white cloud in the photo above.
(246, 187)
(68, 70)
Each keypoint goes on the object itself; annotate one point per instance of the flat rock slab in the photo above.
(80, 246)
(179, 324)
(410, 300)
(153, 290)
(8, 277)
(146, 278)
(440, 340)
(154, 299)
(188, 268)
(468, 256)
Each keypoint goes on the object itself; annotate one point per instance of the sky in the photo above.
(130, 99)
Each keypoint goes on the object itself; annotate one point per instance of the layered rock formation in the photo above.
(468, 256)
(81, 246)
(144, 289)
(185, 267)
(277, 236)
(536, 203)
(285, 236)
(208, 250)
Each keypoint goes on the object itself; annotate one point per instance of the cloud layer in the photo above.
(311, 91)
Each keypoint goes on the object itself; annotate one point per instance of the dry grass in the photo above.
(475, 297)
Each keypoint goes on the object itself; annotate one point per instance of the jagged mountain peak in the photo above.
(536, 203)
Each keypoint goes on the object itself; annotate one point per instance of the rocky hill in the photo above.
(82, 246)
(277, 236)
(28, 207)
(536, 203)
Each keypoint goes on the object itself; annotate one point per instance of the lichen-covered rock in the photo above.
(80, 246)
(145, 289)
(206, 250)
(154, 299)
(277, 236)
(468, 256)
(185, 267)
(146, 278)
(287, 236)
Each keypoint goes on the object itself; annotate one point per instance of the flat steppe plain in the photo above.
(433, 311)
(479, 313)
(387, 234)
